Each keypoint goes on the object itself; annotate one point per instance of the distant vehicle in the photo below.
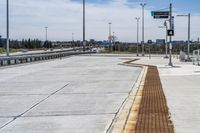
(94, 50)
(24, 50)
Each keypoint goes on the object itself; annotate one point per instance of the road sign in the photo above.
(160, 17)
(160, 14)
(170, 32)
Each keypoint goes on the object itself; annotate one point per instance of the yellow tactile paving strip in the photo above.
(149, 113)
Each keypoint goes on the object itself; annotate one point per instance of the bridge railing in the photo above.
(25, 58)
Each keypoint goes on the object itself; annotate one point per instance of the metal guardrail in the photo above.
(25, 58)
(196, 57)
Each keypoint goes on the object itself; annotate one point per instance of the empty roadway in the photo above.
(80, 94)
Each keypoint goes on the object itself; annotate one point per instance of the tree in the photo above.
(47, 44)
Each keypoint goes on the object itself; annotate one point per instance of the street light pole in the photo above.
(46, 31)
(189, 36)
(73, 44)
(166, 43)
(7, 40)
(72, 37)
(84, 43)
(138, 19)
(110, 36)
(188, 42)
(114, 41)
(143, 5)
(166, 39)
(170, 38)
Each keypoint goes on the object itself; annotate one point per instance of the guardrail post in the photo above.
(8, 62)
(198, 57)
(1, 62)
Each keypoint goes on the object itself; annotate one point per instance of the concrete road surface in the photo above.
(79, 94)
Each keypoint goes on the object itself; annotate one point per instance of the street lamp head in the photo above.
(143, 4)
(109, 23)
(137, 18)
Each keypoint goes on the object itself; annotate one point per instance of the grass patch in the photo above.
(3, 50)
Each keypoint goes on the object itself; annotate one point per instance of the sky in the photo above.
(28, 19)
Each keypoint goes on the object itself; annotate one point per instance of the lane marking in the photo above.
(35, 105)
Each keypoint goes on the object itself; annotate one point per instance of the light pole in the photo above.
(7, 35)
(137, 19)
(72, 36)
(170, 38)
(46, 33)
(84, 43)
(143, 5)
(110, 43)
(166, 39)
(114, 40)
(188, 15)
(73, 45)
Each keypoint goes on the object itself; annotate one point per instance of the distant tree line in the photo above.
(27, 44)
(154, 48)
(118, 46)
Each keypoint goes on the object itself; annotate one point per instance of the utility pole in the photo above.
(137, 19)
(143, 5)
(170, 38)
(84, 42)
(110, 42)
(7, 36)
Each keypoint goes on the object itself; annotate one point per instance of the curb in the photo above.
(121, 122)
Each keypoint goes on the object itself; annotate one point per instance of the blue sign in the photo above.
(152, 13)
